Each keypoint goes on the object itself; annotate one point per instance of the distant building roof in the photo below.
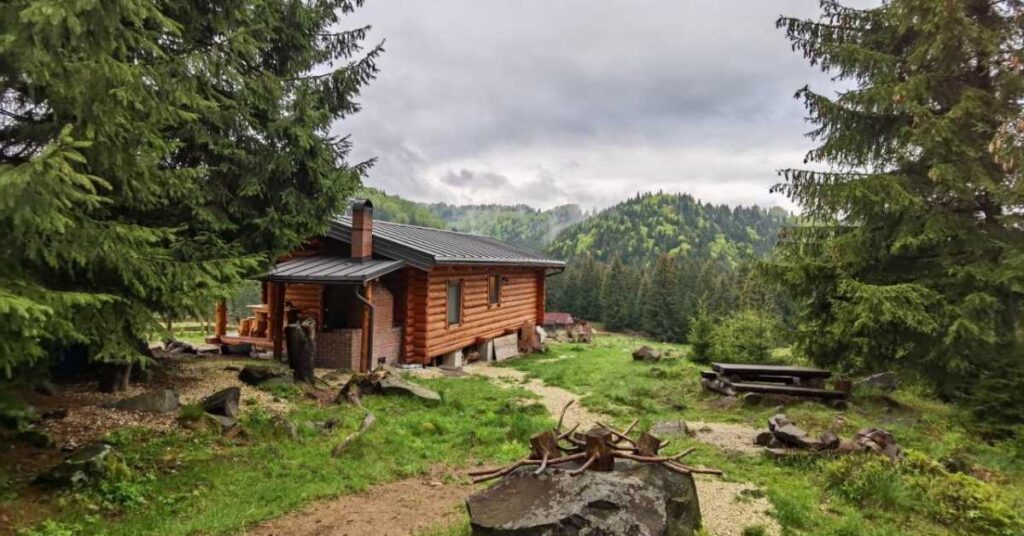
(425, 248)
(331, 269)
(558, 319)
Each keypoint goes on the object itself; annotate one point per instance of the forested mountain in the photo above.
(396, 209)
(519, 224)
(640, 229)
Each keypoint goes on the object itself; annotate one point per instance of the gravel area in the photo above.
(726, 436)
(727, 508)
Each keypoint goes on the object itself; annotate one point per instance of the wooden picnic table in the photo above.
(774, 371)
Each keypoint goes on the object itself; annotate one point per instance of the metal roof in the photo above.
(331, 269)
(424, 247)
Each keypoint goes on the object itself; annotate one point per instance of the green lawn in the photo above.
(934, 492)
(183, 483)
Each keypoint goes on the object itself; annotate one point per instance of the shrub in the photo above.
(870, 480)
(52, 528)
(700, 336)
(745, 337)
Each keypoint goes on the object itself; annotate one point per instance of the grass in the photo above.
(187, 483)
(856, 495)
(184, 483)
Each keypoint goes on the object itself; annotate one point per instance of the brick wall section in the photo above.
(339, 348)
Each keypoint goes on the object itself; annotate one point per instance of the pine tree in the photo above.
(152, 154)
(616, 297)
(699, 337)
(916, 253)
(663, 315)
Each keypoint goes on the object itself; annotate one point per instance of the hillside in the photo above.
(641, 228)
(520, 224)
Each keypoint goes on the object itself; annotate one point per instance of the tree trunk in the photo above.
(114, 377)
(300, 352)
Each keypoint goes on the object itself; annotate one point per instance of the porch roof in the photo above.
(331, 269)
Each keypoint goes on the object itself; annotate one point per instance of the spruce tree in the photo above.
(662, 311)
(914, 252)
(152, 154)
(616, 296)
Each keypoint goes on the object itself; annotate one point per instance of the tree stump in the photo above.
(599, 453)
(301, 347)
(648, 445)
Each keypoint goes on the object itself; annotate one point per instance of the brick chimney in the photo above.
(362, 230)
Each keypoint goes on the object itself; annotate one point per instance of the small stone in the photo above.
(829, 440)
(284, 427)
(670, 428)
(764, 439)
(224, 402)
(47, 388)
(752, 399)
(56, 414)
(158, 401)
(777, 421)
(36, 438)
(646, 353)
(257, 374)
(87, 464)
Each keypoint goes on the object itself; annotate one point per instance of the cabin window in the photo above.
(494, 289)
(454, 302)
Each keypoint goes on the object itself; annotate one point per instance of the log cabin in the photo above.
(389, 293)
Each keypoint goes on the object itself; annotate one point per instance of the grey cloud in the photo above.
(699, 92)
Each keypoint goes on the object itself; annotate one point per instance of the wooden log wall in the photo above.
(428, 334)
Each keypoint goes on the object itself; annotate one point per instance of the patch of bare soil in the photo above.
(398, 508)
(729, 507)
(726, 436)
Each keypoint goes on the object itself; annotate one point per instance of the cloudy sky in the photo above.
(582, 101)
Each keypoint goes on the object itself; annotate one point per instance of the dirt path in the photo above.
(726, 507)
(553, 398)
(395, 509)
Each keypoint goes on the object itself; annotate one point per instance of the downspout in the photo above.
(369, 333)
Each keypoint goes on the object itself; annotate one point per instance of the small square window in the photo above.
(494, 289)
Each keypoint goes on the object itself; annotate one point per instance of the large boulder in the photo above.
(224, 402)
(636, 499)
(257, 374)
(646, 353)
(156, 401)
(86, 464)
(383, 380)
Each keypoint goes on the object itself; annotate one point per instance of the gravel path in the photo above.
(726, 507)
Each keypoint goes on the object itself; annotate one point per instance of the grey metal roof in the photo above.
(331, 269)
(424, 247)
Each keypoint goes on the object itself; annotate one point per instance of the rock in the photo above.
(257, 374)
(635, 499)
(87, 464)
(384, 380)
(883, 381)
(393, 383)
(793, 436)
(646, 353)
(224, 402)
(284, 427)
(56, 414)
(36, 438)
(47, 388)
(764, 439)
(752, 399)
(776, 421)
(879, 440)
(157, 401)
(670, 428)
(829, 440)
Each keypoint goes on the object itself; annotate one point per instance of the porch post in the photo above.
(365, 358)
(220, 327)
(277, 317)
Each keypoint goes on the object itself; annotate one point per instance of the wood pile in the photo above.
(784, 436)
(730, 379)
